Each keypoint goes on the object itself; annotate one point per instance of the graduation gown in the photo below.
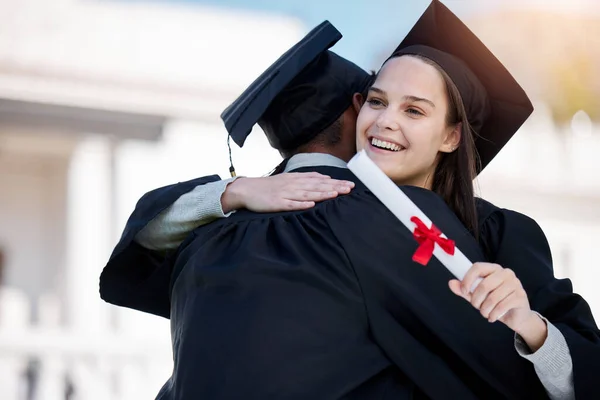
(320, 303)
(516, 241)
(136, 277)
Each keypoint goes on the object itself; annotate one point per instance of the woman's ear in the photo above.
(452, 139)
(357, 102)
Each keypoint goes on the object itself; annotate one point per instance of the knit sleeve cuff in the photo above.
(553, 357)
(207, 200)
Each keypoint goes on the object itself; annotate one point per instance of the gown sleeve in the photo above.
(199, 207)
(136, 277)
(516, 241)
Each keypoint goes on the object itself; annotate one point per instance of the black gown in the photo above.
(516, 241)
(134, 276)
(326, 303)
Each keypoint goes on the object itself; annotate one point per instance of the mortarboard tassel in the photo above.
(231, 169)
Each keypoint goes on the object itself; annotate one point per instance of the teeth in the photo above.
(385, 145)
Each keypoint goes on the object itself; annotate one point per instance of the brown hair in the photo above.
(455, 171)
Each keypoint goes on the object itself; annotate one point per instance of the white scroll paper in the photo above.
(404, 208)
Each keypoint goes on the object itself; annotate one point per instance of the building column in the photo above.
(89, 217)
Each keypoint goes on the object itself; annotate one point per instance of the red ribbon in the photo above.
(427, 238)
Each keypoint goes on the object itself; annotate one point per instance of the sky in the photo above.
(372, 28)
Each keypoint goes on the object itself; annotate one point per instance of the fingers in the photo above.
(478, 270)
(456, 288)
(332, 185)
(493, 289)
(292, 205)
(292, 191)
(296, 191)
(513, 300)
(309, 175)
(488, 285)
(303, 199)
(304, 195)
(314, 181)
(314, 189)
(498, 292)
(495, 298)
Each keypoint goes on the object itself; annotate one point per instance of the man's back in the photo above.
(268, 306)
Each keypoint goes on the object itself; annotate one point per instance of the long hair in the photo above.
(455, 171)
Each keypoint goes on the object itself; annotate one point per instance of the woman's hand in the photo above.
(282, 192)
(499, 296)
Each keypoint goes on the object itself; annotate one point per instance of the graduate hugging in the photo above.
(302, 285)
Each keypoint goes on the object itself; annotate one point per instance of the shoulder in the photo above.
(501, 227)
(490, 215)
(364, 209)
(361, 197)
(485, 209)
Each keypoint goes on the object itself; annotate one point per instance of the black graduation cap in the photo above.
(495, 103)
(301, 94)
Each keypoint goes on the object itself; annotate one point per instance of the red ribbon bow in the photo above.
(427, 238)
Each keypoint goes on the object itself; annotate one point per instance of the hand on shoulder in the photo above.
(282, 192)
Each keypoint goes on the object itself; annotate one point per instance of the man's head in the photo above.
(303, 102)
(337, 139)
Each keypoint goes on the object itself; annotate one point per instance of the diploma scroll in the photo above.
(404, 209)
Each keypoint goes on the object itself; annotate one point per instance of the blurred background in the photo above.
(102, 101)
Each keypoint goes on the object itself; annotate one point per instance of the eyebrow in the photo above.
(406, 98)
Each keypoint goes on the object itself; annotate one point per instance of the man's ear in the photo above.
(357, 102)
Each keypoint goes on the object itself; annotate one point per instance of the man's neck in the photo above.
(312, 160)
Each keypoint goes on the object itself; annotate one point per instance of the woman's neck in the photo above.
(425, 182)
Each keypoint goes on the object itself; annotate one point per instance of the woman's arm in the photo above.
(571, 340)
(210, 201)
(500, 297)
(193, 209)
(137, 274)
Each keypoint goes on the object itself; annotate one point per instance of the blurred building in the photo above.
(99, 103)
(549, 170)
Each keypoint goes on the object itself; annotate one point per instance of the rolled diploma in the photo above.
(403, 208)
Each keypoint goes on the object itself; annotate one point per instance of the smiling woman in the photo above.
(413, 127)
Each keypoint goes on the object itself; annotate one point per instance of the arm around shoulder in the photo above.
(198, 207)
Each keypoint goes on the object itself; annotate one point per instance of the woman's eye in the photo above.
(414, 112)
(375, 102)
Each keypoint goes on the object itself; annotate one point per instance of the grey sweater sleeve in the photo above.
(552, 363)
(193, 209)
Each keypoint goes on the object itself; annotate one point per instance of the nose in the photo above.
(388, 121)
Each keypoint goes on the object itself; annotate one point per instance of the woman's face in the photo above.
(402, 124)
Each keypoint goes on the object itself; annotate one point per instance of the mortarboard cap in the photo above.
(495, 103)
(301, 94)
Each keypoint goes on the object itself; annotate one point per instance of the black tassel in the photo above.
(231, 169)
